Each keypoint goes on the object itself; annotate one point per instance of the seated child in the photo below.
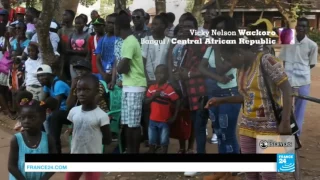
(31, 141)
(31, 66)
(161, 96)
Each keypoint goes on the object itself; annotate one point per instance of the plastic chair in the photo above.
(115, 113)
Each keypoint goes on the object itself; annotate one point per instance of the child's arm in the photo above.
(13, 159)
(176, 111)
(106, 139)
(52, 150)
(150, 97)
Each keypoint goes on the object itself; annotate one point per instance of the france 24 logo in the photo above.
(286, 163)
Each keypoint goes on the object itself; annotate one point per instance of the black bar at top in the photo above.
(151, 158)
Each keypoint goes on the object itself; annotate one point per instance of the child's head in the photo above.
(32, 112)
(83, 66)
(33, 51)
(87, 89)
(161, 73)
(52, 104)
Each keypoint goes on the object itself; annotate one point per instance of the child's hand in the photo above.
(171, 120)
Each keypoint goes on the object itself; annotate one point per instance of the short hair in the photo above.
(114, 15)
(229, 23)
(165, 67)
(185, 15)
(34, 46)
(91, 78)
(123, 21)
(34, 11)
(141, 11)
(71, 13)
(171, 17)
(303, 19)
(85, 17)
(21, 24)
(193, 19)
(163, 19)
(80, 17)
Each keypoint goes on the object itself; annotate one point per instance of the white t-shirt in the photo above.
(155, 54)
(31, 67)
(86, 134)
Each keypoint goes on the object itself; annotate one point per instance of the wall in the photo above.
(175, 6)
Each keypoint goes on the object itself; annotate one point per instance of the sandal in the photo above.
(181, 151)
(190, 151)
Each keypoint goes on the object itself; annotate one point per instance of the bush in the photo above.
(315, 36)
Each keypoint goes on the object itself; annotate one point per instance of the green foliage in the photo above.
(189, 6)
(87, 3)
(315, 36)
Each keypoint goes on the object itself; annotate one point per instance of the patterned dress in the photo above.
(117, 54)
(257, 114)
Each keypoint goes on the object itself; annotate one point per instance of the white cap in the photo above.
(53, 25)
(44, 69)
(204, 10)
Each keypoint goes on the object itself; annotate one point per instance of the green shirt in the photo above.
(212, 64)
(131, 50)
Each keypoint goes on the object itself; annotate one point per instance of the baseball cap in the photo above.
(99, 21)
(53, 25)
(44, 69)
(83, 64)
(20, 10)
(3, 12)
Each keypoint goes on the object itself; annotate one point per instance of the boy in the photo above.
(90, 125)
(161, 96)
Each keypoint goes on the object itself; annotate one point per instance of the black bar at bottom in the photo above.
(151, 158)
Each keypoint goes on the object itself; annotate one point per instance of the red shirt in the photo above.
(92, 47)
(161, 109)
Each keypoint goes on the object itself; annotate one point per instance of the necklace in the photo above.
(35, 145)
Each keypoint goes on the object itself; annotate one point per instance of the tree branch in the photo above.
(233, 5)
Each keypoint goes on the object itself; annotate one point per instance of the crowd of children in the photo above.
(168, 90)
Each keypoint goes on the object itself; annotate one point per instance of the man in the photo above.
(207, 15)
(54, 87)
(83, 68)
(134, 83)
(140, 30)
(94, 15)
(170, 29)
(153, 55)
(99, 28)
(105, 50)
(64, 34)
(11, 12)
(299, 59)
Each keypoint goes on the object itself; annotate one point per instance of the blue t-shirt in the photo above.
(105, 49)
(60, 88)
(23, 45)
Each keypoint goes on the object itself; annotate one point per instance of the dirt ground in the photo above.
(310, 152)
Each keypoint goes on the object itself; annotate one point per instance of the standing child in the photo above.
(161, 96)
(31, 141)
(90, 125)
(31, 67)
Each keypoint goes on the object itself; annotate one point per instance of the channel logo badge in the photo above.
(286, 163)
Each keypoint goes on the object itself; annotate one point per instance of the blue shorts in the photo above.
(98, 76)
(159, 131)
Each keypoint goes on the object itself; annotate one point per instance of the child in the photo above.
(52, 105)
(90, 125)
(31, 141)
(161, 96)
(31, 66)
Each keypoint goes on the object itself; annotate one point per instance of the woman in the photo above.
(31, 13)
(78, 43)
(257, 116)
(221, 82)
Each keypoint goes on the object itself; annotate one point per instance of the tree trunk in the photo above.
(218, 7)
(196, 10)
(290, 16)
(160, 6)
(233, 5)
(120, 5)
(43, 25)
(63, 5)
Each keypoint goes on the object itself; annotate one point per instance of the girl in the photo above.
(31, 14)
(257, 115)
(31, 141)
(78, 43)
(90, 125)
